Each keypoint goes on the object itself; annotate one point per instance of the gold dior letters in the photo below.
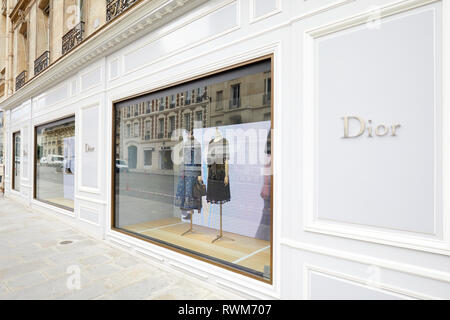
(380, 130)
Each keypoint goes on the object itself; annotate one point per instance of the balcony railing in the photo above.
(21, 79)
(72, 38)
(235, 103)
(160, 135)
(147, 136)
(172, 105)
(41, 63)
(162, 107)
(266, 98)
(116, 7)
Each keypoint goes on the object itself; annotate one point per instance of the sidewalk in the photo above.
(35, 265)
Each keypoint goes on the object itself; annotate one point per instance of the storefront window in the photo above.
(210, 193)
(1, 140)
(55, 163)
(17, 159)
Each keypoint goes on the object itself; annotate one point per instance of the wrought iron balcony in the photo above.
(235, 103)
(160, 135)
(172, 105)
(21, 79)
(116, 7)
(147, 136)
(41, 63)
(162, 107)
(72, 38)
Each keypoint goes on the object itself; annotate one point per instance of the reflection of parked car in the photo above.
(121, 166)
(43, 160)
(55, 160)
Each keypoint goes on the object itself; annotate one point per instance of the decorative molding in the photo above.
(91, 210)
(359, 258)
(143, 19)
(381, 287)
(86, 199)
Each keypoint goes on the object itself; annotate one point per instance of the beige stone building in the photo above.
(34, 34)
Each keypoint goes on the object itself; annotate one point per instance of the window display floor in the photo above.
(240, 250)
(61, 202)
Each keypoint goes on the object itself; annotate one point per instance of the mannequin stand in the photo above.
(190, 227)
(220, 235)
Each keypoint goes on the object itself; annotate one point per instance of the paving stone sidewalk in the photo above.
(34, 265)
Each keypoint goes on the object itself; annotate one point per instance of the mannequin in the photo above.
(190, 171)
(218, 191)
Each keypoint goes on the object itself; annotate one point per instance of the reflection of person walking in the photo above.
(263, 231)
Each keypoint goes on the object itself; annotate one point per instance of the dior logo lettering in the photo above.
(368, 127)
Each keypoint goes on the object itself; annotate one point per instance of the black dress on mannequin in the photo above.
(218, 153)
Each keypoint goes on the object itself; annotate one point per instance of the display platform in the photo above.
(61, 202)
(240, 250)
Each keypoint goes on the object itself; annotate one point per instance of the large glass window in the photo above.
(55, 163)
(17, 160)
(1, 139)
(209, 192)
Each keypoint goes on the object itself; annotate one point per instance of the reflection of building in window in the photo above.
(136, 129)
(246, 96)
(267, 90)
(235, 100)
(156, 117)
(166, 160)
(187, 122)
(147, 130)
(172, 125)
(161, 128)
(148, 157)
(219, 100)
(57, 135)
(188, 97)
(198, 119)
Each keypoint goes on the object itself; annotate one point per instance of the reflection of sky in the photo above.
(243, 213)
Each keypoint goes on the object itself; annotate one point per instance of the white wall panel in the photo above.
(389, 77)
(55, 96)
(91, 78)
(327, 287)
(371, 179)
(89, 215)
(261, 8)
(89, 148)
(219, 21)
